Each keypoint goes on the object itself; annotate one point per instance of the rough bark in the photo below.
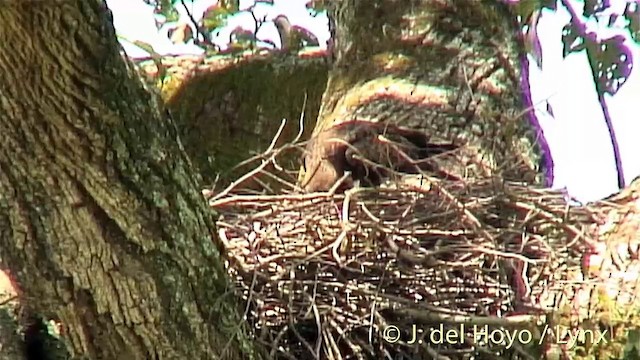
(229, 109)
(10, 340)
(449, 68)
(101, 221)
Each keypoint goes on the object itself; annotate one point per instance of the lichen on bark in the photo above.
(460, 56)
(102, 223)
(228, 109)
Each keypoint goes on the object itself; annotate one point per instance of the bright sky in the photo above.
(135, 21)
(576, 133)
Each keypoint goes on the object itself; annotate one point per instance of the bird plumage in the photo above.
(371, 152)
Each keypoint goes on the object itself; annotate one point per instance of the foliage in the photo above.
(632, 14)
(202, 27)
(610, 59)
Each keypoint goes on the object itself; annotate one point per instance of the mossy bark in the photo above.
(228, 109)
(449, 68)
(101, 220)
(11, 345)
(452, 68)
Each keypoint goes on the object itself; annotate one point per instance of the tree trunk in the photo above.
(449, 68)
(233, 108)
(101, 221)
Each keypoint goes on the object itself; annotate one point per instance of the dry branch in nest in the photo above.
(359, 274)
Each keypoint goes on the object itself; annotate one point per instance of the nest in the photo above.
(416, 268)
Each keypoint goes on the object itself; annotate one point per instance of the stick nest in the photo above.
(358, 274)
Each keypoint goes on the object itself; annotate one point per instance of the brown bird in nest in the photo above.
(370, 151)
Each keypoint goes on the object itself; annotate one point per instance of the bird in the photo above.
(180, 34)
(371, 152)
(293, 38)
(241, 39)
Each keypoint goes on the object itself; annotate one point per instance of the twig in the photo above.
(316, 316)
(199, 31)
(434, 254)
(251, 173)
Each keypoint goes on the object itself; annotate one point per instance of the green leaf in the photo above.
(215, 17)
(632, 14)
